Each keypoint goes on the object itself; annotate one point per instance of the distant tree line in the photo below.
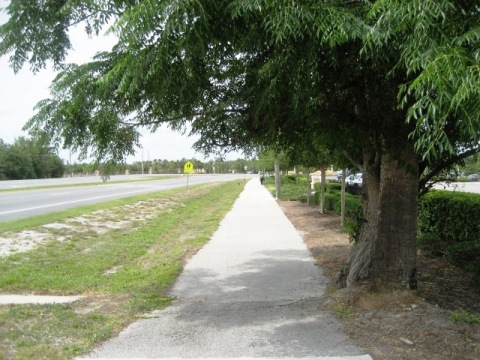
(159, 166)
(32, 159)
(29, 159)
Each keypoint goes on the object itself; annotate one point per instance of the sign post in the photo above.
(188, 169)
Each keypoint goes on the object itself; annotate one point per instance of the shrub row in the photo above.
(448, 221)
(289, 190)
(454, 216)
(353, 206)
(449, 225)
(353, 203)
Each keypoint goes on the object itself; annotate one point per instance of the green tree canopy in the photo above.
(391, 85)
(28, 159)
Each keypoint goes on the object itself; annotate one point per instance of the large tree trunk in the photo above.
(385, 251)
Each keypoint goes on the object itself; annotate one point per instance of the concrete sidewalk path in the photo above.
(252, 292)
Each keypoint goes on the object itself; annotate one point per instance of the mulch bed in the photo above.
(398, 325)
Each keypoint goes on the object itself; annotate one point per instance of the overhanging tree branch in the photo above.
(424, 183)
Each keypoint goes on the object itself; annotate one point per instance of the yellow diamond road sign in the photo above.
(188, 168)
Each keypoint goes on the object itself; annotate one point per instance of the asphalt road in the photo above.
(26, 203)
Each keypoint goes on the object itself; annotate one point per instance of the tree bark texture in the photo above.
(385, 251)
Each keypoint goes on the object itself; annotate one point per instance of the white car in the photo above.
(354, 180)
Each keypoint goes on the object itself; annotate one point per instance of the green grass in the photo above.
(289, 189)
(145, 258)
(465, 317)
(343, 311)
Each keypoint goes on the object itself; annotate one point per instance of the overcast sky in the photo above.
(20, 92)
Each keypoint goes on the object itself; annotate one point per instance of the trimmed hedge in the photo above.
(353, 206)
(289, 189)
(454, 216)
(332, 188)
(353, 203)
(292, 180)
(449, 224)
(465, 255)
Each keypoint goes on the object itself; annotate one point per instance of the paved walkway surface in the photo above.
(36, 299)
(252, 292)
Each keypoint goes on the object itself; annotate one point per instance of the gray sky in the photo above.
(19, 93)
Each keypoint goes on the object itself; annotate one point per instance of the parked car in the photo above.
(338, 177)
(354, 180)
(473, 177)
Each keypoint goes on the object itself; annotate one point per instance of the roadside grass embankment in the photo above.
(121, 257)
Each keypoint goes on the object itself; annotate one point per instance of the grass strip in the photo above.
(36, 221)
(122, 274)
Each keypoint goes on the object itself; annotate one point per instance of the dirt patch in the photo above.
(11, 243)
(125, 217)
(400, 325)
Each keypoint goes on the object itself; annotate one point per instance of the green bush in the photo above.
(289, 179)
(465, 255)
(448, 224)
(431, 243)
(292, 180)
(292, 192)
(353, 207)
(353, 203)
(330, 188)
(352, 228)
(289, 188)
(452, 216)
(330, 200)
(333, 188)
(466, 317)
